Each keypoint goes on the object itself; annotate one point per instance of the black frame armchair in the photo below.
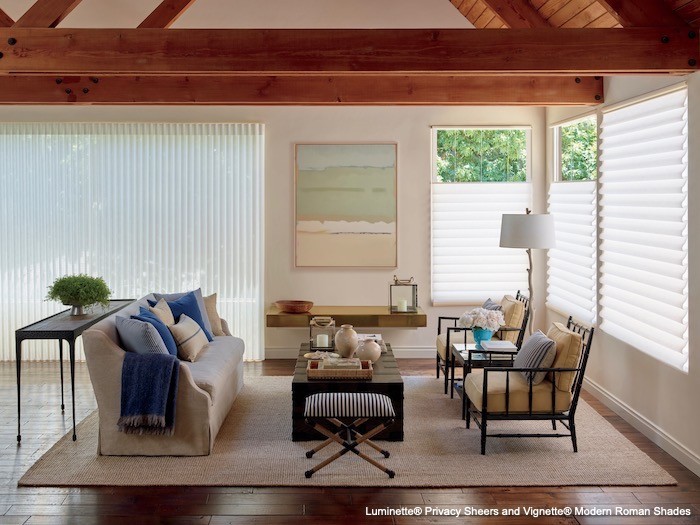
(566, 416)
(447, 366)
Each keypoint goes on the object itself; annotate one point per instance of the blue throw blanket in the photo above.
(149, 390)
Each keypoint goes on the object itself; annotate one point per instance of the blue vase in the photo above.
(481, 334)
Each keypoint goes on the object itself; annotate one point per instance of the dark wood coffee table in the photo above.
(386, 380)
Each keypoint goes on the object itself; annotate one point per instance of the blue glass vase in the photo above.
(481, 334)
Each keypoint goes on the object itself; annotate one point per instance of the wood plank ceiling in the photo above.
(553, 53)
(485, 14)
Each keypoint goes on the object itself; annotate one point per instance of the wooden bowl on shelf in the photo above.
(294, 307)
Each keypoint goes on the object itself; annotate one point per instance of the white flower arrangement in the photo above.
(482, 318)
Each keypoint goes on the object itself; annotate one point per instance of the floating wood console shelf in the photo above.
(363, 316)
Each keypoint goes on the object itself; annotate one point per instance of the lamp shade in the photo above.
(527, 231)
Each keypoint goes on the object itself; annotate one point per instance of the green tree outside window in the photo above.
(481, 155)
(578, 145)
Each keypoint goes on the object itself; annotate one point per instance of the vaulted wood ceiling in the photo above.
(498, 14)
(552, 52)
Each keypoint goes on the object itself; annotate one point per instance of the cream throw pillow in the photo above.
(189, 338)
(163, 312)
(213, 315)
(567, 356)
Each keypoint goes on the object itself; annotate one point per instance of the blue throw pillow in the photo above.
(140, 337)
(200, 302)
(187, 305)
(148, 317)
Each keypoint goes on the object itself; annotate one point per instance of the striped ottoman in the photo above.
(338, 415)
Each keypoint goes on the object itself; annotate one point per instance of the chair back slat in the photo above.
(586, 333)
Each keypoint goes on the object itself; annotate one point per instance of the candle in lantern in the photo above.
(322, 340)
(402, 306)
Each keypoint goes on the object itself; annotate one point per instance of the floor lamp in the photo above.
(529, 231)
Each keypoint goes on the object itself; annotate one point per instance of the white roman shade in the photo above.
(644, 221)
(149, 207)
(571, 270)
(468, 266)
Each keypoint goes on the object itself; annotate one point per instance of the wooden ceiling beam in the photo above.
(5, 19)
(46, 13)
(302, 90)
(348, 51)
(166, 14)
(643, 13)
(517, 14)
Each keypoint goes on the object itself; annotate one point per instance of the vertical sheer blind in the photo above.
(571, 271)
(644, 220)
(468, 266)
(149, 207)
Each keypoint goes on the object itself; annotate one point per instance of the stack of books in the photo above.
(339, 363)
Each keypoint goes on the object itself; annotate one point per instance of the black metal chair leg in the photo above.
(554, 424)
(483, 434)
(572, 428)
(465, 409)
(437, 366)
(447, 377)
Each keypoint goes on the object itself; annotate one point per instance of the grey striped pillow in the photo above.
(538, 351)
(490, 305)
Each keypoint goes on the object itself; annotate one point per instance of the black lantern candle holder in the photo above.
(403, 296)
(322, 334)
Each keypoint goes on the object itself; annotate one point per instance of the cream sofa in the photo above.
(206, 391)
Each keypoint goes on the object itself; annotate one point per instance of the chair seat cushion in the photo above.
(345, 404)
(518, 398)
(455, 337)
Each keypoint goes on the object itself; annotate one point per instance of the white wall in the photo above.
(658, 399)
(409, 127)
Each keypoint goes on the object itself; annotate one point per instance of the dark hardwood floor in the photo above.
(43, 424)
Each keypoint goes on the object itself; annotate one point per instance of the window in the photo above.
(477, 176)
(149, 207)
(571, 269)
(644, 222)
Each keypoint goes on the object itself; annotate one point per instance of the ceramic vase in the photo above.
(370, 351)
(481, 334)
(346, 341)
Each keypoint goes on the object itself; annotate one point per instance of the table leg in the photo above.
(71, 349)
(60, 359)
(18, 357)
(452, 374)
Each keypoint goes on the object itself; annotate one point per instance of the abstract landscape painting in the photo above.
(346, 205)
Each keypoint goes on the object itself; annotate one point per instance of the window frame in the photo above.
(556, 144)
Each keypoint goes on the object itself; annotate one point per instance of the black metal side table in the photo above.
(62, 327)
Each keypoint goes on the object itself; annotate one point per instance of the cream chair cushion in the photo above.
(513, 313)
(455, 337)
(568, 354)
(519, 394)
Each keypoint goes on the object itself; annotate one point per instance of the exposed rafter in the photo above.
(306, 90)
(46, 13)
(5, 19)
(348, 51)
(166, 13)
(643, 13)
(517, 14)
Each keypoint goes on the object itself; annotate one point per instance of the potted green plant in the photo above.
(79, 291)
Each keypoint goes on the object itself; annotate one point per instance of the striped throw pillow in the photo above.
(538, 351)
(189, 338)
(490, 305)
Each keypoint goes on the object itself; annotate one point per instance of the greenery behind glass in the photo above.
(579, 150)
(481, 155)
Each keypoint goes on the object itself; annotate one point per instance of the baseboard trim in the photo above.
(405, 352)
(655, 433)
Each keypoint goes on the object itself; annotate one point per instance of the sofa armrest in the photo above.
(224, 327)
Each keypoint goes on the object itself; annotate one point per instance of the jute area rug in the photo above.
(254, 448)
